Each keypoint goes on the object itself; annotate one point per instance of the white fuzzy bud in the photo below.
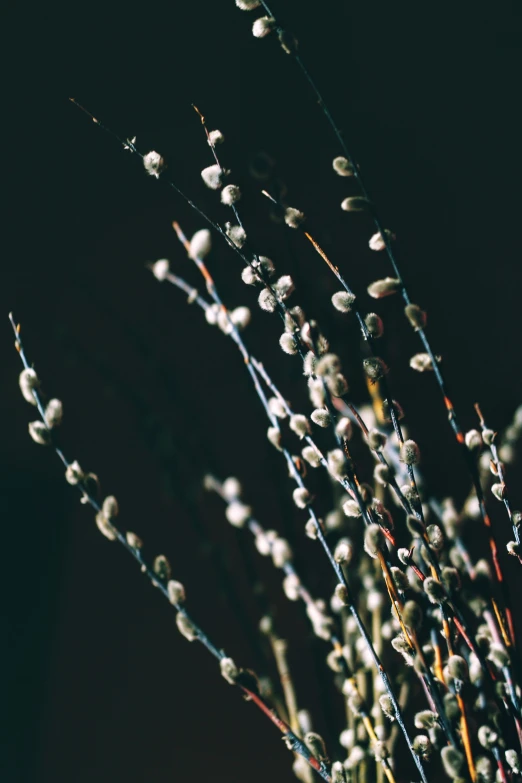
(291, 585)
(385, 287)
(176, 592)
(410, 453)
(337, 463)
(133, 540)
(281, 552)
(160, 269)
(347, 738)
(337, 385)
(28, 381)
(355, 204)
(311, 456)
(357, 754)
(343, 551)
(283, 287)
(473, 440)
(238, 513)
(201, 244)
(374, 325)
(105, 527)
(422, 746)
(321, 417)
(267, 301)
(39, 433)
(229, 670)
(421, 362)
(213, 176)
(300, 425)
(373, 537)
(186, 627)
(311, 529)
(265, 265)
(316, 392)
(487, 736)
(74, 474)
(224, 322)
(416, 316)
(236, 234)
(382, 474)
(342, 167)
(377, 242)
(53, 413)
(249, 276)
(215, 137)
(240, 317)
(212, 314)
(343, 428)
(264, 542)
(374, 601)
(110, 508)
(342, 595)
(387, 706)
(302, 497)
(309, 363)
(230, 195)
(329, 364)
(154, 164)
(277, 408)
(231, 489)
(499, 655)
(294, 218)
(263, 26)
(343, 301)
(274, 436)
(435, 537)
(513, 760)
(351, 509)
(499, 491)
(288, 343)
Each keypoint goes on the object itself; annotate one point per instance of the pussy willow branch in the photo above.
(336, 567)
(425, 677)
(251, 363)
(417, 507)
(304, 594)
(500, 473)
(293, 741)
(224, 236)
(454, 421)
(285, 313)
(455, 605)
(459, 620)
(350, 484)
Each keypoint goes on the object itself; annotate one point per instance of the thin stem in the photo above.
(292, 740)
(500, 473)
(337, 568)
(304, 595)
(452, 415)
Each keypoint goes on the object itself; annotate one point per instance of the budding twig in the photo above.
(161, 579)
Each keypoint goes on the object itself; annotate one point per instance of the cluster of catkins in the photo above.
(445, 621)
(420, 631)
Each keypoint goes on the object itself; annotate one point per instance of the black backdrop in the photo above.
(99, 683)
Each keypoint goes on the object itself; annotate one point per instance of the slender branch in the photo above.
(336, 567)
(441, 381)
(195, 631)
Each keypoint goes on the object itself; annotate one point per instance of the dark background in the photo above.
(99, 684)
